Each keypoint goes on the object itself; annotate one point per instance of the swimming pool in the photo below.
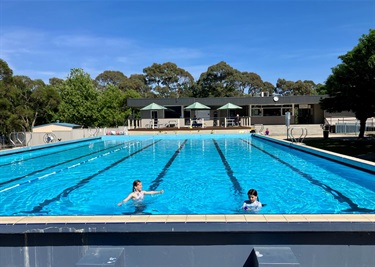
(201, 174)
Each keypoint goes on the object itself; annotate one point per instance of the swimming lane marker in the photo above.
(70, 167)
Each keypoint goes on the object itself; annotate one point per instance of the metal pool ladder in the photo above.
(301, 137)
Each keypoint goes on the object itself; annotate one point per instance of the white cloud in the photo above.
(81, 41)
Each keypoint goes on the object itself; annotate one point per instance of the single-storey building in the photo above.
(270, 110)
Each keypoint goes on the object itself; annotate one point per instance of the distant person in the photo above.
(215, 119)
(197, 122)
(253, 204)
(237, 120)
(138, 194)
(267, 131)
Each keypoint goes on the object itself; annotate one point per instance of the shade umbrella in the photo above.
(152, 107)
(229, 106)
(197, 105)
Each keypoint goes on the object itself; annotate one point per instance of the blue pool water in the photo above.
(200, 174)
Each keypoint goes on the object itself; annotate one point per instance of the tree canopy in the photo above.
(351, 86)
(218, 81)
(79, 100)
(168, 80)
(89, 102)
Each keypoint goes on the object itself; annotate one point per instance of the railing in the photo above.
(352, 126)
(93, 132)
(17, 138)
(349, 125)
(244, 121)
(301, 137)
(14, 139)
(261, 126)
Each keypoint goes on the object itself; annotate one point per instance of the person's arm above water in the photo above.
(252, 207)
(125, 199)
(153, 192)
(244, 206)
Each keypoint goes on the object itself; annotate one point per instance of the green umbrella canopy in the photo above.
(197, 105)
(153, 106)
(230, 106)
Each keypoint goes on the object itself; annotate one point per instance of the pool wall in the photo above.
(187, 240)
(192, 240)
(364, 165)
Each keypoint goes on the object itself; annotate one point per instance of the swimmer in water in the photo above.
(138, 194)
(253, 203)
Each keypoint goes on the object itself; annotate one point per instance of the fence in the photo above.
(352, 126)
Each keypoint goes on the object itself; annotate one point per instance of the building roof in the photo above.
(62, 124)
(220, 101)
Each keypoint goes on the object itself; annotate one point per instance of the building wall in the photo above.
(51, 128)
(305, 109)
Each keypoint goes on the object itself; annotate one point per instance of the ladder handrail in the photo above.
(16, 139)
(261, 128)
(31, 137)
(301, 137)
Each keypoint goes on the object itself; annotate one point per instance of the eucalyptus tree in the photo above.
(35, 103)
(284, 87)
(168, 80)
(111, 107)
(268, 87)
(137, 83)
(219, 80)
(56, 82)
(8, 97)
(299, 87)
(24, 102)
(304, 88)
(109, 77)
(45, 102)
(254, 83)
(6, 72)
(23, 108)
(351, 86)
(321, 89)
(79, 99)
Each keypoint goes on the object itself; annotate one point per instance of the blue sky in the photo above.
(294, 40)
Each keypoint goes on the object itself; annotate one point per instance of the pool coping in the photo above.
(183, 223)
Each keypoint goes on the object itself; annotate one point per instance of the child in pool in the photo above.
(138, 193)
(253, 203)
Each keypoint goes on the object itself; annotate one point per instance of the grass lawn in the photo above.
(351, 146)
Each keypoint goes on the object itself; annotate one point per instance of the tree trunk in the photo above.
(362, 127)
